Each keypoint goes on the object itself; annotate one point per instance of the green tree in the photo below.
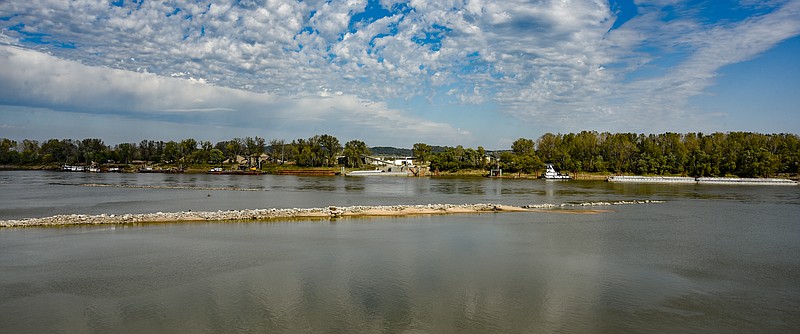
(234, 147)
(507, 162)
(171, 152)
(149, 150)
(51, 151)
(787, 148)
(446, 160)
(353, 150)
(277, 148)
(92, 150)
(61, 151)
(620, 150)
(308, 152)
(29, 151)
(330, 148)
(583, 149)
(523, 146)
(126, 152)
(524, 159)
(481, 157)
(421, 152)
(186, 148)
(254, 148)
(8, 151)
(215, 156)
(527, 163)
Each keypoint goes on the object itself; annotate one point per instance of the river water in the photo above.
(709, 259)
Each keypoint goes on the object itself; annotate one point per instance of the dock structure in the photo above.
(701, 180)
(403, 166)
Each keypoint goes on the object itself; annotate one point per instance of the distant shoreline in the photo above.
(331, 212)
(578, 176)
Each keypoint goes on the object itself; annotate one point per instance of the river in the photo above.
(708, 259)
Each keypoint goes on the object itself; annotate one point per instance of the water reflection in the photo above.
(671, 267)
(32, 194)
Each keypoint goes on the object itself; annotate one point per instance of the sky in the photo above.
(395, 73)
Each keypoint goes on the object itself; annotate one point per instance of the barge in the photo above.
(701, 180)
(376, 172)
(307, 172)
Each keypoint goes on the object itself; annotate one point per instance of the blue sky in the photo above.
(393, 73)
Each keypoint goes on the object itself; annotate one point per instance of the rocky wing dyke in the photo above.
(258, 214)
(583, 204)
(331, 212)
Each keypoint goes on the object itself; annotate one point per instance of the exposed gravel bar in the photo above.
(330, 212)
(260, 214)
(104, 185)
(567, 205)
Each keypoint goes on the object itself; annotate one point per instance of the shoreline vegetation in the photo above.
(580, 176)
(326, 213)
(585, 155)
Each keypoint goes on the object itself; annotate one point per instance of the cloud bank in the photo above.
(43, 81)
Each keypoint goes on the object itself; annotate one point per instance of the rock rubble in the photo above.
(564, 205)
(330, 212)
(255, 214)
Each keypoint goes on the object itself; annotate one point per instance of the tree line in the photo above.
(317, 151)
(742, 154)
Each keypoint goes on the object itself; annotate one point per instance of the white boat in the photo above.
(551, 174)
(73, 168)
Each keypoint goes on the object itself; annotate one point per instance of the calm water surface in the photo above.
(710, 259)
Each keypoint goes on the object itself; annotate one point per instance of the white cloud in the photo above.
(37, 80)
(662, 100)
(552, 61)
(267, 48)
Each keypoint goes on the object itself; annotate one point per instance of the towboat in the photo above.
(551, 174)
(73, 168)
(220, 171)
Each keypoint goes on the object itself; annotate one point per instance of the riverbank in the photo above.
(331, 212)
